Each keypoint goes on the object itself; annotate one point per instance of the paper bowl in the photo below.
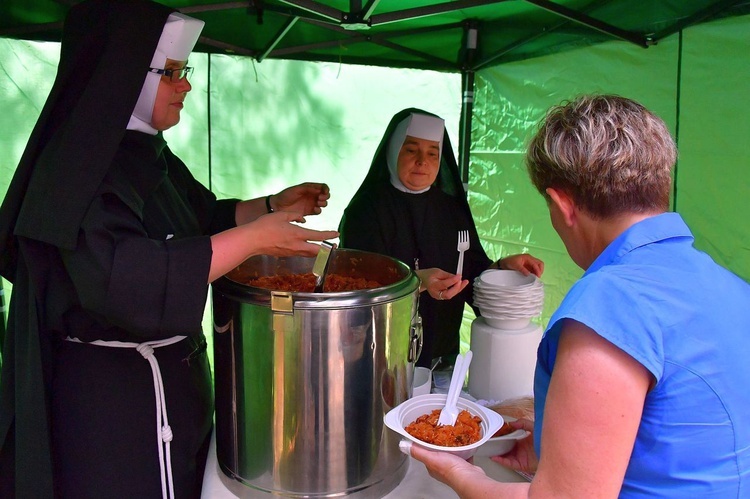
(401, 416)
(498, 446)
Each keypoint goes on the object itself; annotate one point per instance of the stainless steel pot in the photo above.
(303, 379)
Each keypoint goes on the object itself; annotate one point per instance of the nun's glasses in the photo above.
(174, 75)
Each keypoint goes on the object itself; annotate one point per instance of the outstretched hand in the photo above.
(441, 285)
(523, 263)
(523, 456)
(272, 234)
(283, 238)
(445, 466)
(308, 198)
(462, 476)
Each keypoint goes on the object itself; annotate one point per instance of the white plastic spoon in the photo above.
(450, 412)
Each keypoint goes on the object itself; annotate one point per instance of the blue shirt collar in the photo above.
(648, 231)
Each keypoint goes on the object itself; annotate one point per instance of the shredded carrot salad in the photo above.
(466, 431)
(305, 283)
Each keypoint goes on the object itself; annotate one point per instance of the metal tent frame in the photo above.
(459, 36)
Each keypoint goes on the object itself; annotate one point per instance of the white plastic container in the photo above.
(422, 384)
(504, 361)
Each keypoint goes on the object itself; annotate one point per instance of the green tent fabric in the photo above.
(321, 121)
(426, 34)
(713, 180)
(694, 82)
(515, 97)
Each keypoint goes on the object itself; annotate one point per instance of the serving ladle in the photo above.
(320, 267)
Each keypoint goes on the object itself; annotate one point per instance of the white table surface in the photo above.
(417, 483)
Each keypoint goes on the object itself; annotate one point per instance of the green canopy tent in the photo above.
(490, 67)
(460, 36)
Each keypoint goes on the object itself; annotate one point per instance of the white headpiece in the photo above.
(179, 36)
(420, 126)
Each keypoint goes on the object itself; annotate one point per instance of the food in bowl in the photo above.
(398, 418)
(465, 431)
(305, 283)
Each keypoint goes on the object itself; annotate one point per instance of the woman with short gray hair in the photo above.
(610, 154)
(636, 385)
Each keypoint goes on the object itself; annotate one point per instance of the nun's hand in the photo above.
(275, 234)
(441, 285)
(523, 263)
(309, 198)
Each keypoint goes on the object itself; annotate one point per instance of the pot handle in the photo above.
(415, 339)
(282, 306)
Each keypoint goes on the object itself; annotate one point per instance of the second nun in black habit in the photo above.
(411, 206)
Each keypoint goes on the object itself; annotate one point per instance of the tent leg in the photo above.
(467, 54)
(464, 140)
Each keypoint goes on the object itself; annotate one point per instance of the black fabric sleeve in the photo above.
(361, 227)
(213, 215)
(224, 216)
(153, 289)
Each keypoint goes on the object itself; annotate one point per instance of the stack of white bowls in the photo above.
(508, 299)
(503, 339)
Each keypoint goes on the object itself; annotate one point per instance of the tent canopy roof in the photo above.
(424, 34)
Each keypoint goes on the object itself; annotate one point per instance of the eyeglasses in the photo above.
(174, 75)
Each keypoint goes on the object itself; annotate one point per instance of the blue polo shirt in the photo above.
(687, 320)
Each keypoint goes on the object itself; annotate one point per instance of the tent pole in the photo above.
(464, 140)
(471, 33)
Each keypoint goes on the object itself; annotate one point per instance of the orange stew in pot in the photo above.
(305, 283)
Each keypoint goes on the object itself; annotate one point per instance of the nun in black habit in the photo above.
(411, 206)
(110, 244)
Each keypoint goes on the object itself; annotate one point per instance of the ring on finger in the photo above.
(440, 295)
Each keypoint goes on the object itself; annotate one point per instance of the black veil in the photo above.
(106, 49)
(448, 179)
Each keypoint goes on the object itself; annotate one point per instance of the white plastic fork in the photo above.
(450, 412)
(463, 245)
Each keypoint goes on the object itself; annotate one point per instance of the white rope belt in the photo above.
(163, 430)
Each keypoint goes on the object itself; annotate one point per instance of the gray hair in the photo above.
(609, 153)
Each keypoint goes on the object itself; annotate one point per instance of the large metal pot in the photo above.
(303, 379)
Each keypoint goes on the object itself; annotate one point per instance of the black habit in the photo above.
(419, 229)
(105, 235)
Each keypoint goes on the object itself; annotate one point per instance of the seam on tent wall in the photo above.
(677, 117)
(208, 112)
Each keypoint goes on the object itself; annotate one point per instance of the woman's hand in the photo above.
(446, 467)
(465, 478)
(304, 199)
(272, 234)
(522, 457)
(440, 284)
(523, 263)
(275, 234)
(308, 199)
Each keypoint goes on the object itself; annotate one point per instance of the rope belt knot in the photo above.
(163, 430)
(145, 349)
(166, 433)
